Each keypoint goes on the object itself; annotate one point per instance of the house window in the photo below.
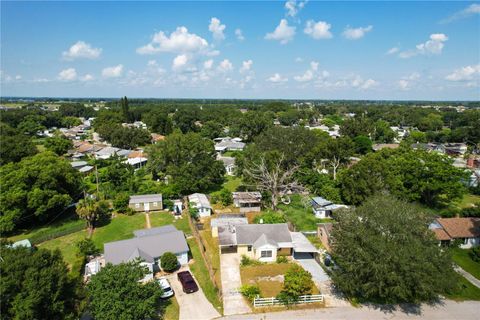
(249, 248)
(266, 254)
(137, 205)
(155, 204)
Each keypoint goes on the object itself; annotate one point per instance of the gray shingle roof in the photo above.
(264, 240)
(200, 200)
(248, 234)
(145, 198)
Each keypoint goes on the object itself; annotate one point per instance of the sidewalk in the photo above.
(468, 276)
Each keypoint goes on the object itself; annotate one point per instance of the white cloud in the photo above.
(298, 59)
(179, 61)
(179, 41)
(293, 7)
(311, 73)
(277, 78)
(69, 74)
(283, 32)
(208, 64)
(318, 30)
(113, 72)
(465, 74)
(217, 29)
(81, 49)
(87, 77)
(393, 50)
(246, 66)
(356, 81)
(152, 63)
(239, 34)
(41, 80)
(407, 82)
(356, 33)
(433, 46)
(18, 77)
(307, 76)
(225, 66)
(469, 11)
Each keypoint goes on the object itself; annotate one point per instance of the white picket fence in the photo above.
(265, 302)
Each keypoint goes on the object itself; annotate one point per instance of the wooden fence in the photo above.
(266, 302)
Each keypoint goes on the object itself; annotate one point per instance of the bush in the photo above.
(250, 291)
(121, 202)
(193, 211)
(475, 254)
(86, 247)
(225, 197)
(471, 211)
(168, 262)
(286, 298)
(246, 261)
(270, 217)
(129, 212)
(282, 259)
(297, 282)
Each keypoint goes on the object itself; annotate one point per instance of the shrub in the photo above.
(129, 212)
(246, 261)
(250, 291)
(193, 211)
(270, 217)
(225, 197)
(121, 202)
(86, 247)
(286, 298)
(471, 211)
(297, 282)
(168, 262)
(282, 259)
(475, 254)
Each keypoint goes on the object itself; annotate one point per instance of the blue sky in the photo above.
(276, 49)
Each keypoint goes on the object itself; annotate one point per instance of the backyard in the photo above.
(463, 259)
(300, 215)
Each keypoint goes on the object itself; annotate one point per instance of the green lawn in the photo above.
(303, 218)
(467, 291)
(468, 200)
(169, 309)
(200, 272)
(232, 183)
(462, 258)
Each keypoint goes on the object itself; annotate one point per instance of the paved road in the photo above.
(468, 276)
(193, 306)
(449, 310)
(233, 301)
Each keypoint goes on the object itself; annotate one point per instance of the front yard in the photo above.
(463, 259)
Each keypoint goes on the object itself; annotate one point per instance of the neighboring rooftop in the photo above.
(153, 231)
(247, 197)
(200, 200)
(145, 198)
(249, 233)
(461, 227)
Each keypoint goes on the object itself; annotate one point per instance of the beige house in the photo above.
(146, 202)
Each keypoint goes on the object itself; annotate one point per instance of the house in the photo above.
(229, 144)
(466, 230)
(157, 137)
(217, 225)
(146, 202)
(228, 164)
(247, 201)
(148, 246)
(81, 166)
(200, 201)
(380, 146)
(323, 233)
(137, 163)
(458, 149)
(322, 208)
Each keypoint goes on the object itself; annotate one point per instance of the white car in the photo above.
(167, 289)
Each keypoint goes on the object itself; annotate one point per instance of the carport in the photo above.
(302, 248)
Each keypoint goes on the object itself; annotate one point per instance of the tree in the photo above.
(273, 178)
(337, 152)
(297, 282)
(86, 247)
(69, 122)
(34, 284)
(288, 118)
(385, 253)
(36, 189)
(14, 145)
(357, 126)
(188, 161)
(121, 202)
(250, 125)
(382, 132)
(32, 124)
(270, 217)
(168, 261)
(125, 109)
(225, 197)
(211, 130)
(116, 293)
(91, 211)
(58, 144)
(363, 144)
(158, 122)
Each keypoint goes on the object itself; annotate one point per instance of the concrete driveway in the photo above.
(233, 301)
(318, 274)
(195, 305)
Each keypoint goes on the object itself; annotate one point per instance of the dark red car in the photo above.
(188, 284)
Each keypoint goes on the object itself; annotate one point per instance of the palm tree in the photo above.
(91, 211)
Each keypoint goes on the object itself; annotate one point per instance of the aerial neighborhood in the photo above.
(161, 162)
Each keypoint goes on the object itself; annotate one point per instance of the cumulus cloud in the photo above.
(356, 33)
(277, 78)
(311, 73)
(113, 72)
(18, 77)
(318, 30)
(246, 66)
(225, 66)
(283, 32)
(393, 50)
(208, 64)
(179, 61)
(407, 82)
(432, 46)
(87, 77)
(217, 29)
(465, 74)
(293, 7)
(469, 11)
(239, 34)
(179, 41)
(81, 49)
(69, 74)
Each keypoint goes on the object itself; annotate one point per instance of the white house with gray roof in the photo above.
(229, 144)
(200, 201)
(146, 202)
(323, 208)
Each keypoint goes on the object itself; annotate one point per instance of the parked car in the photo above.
(167, 289)
(188, 284)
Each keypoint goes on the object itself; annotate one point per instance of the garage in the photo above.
(303, 255)
(228, 249)
(302, 248)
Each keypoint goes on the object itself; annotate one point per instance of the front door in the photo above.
(146, 206)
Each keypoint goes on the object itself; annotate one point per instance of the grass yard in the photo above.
(467, 291)
(303, 218)
(462, 258)
(468, 200)
(232, 183)
(213, 252)
(169, 309)
(200, 272)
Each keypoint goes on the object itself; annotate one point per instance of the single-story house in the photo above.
(323, 233)
(157, 137)
(137, 162)
(322, 208)
(217, 225)
(148, 246)
(200, 201)
(380, 146)
(81, 166)
(228, 164)
(247, 201)
(146, 202)
(229, 144)
(467, 230)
